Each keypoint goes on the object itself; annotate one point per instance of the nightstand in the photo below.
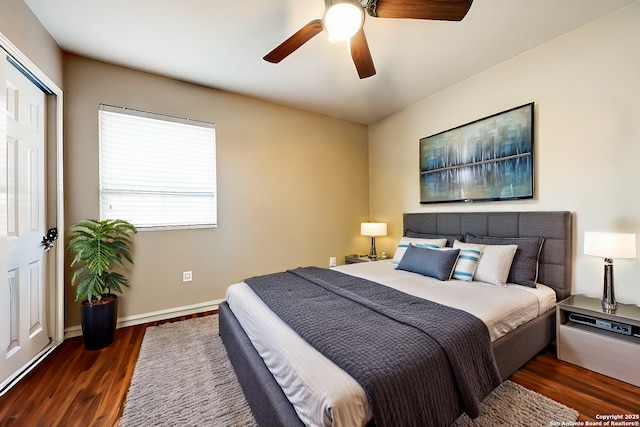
(603, 342)
(352, 259)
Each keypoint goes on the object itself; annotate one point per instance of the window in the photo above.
(157, 171)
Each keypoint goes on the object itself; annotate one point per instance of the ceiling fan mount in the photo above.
(445, 10)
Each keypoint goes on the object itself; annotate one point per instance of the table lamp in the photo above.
(609, 246)
(373, 229)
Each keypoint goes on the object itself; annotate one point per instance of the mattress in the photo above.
(324, 395)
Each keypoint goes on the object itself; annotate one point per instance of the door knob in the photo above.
(47, 241)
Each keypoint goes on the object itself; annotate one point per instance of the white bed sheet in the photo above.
(501, 308)
(323, 394)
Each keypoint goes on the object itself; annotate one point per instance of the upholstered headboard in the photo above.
(555, 266)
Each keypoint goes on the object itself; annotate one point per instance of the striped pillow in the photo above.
(421, 243)
(467, 260)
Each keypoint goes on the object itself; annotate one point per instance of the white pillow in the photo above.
(468, 259)
(421, 243)
(495, 263)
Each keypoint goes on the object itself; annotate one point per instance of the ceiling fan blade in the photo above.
(362, 55)
(444, 10)
(288, 46)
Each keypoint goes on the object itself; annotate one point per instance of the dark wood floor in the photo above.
(588, 392)
(77, 387)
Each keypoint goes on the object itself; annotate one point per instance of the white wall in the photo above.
(586, 89)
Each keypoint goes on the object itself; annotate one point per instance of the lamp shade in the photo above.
(373, 229)
(610, 245)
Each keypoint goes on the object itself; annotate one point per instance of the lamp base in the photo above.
(609, 307)
(609, 304)
(372, 253)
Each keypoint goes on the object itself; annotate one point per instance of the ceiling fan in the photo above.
(344, 21)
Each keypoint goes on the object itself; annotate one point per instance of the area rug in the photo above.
(183, 377)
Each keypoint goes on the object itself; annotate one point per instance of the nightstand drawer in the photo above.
(602, 352)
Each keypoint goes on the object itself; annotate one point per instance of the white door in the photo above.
(24, 331)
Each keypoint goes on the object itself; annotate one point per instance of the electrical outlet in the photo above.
(187, 276)
(332, 261)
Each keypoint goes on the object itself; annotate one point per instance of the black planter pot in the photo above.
(99, 323)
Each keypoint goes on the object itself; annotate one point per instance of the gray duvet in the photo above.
(419, 362)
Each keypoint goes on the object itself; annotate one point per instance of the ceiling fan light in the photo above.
(343, 20)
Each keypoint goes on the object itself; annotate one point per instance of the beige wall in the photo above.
(292, 186)
(586, 86)
(22, 28)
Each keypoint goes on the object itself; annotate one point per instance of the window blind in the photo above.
(156, 171)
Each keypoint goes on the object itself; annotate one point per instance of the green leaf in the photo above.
(97, 247)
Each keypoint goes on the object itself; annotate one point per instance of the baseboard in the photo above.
(138, 319)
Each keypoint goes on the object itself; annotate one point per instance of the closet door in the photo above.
(24, 331)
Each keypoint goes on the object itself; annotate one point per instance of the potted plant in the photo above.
(98, 247)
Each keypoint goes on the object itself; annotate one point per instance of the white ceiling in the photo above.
(220, 44)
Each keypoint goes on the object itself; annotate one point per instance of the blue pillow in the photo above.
(436, 263)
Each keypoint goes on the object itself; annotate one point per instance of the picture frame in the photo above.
(489, 159)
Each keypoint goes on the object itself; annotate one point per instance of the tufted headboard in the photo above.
(555, 266)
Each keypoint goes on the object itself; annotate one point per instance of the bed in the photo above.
(272, 407)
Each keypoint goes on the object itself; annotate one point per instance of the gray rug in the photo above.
(183, 377)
